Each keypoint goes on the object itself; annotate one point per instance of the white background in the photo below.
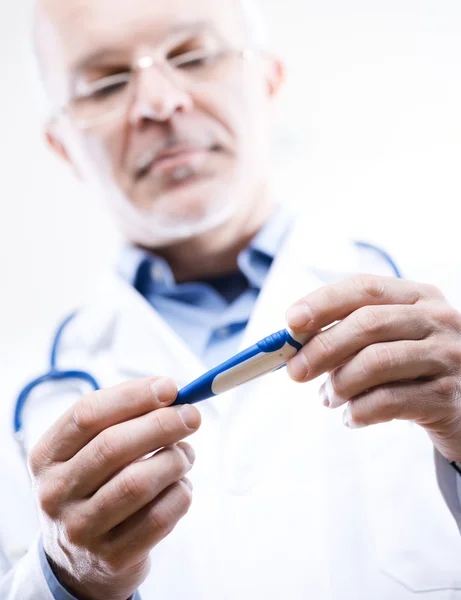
(370, 139)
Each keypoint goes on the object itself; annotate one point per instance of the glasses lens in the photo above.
(204, 65)
(103, 97)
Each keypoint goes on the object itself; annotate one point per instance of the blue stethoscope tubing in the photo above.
(190, 394)
(54, 374)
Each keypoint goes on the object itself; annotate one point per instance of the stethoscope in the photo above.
(189, 394)
(54, 374)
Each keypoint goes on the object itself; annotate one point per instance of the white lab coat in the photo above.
(288, 503)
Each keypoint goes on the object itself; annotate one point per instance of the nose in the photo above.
(157, 97)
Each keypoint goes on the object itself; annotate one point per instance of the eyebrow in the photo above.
(103, 54)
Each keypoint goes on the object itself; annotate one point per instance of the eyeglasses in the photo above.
(109, 98)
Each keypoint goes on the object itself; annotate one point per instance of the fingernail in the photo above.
(297, 367)
(189, 416)
(349, 421)
(299, 315)
(324, 397)
(335, 401)
(189, 452)
(164, 389)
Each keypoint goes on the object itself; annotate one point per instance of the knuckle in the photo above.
(163, 424)
(322, 346)
(375, 359)
(183, 499)
(382, 358)
(50, 496)
(454, 357)
(115, 561)
(47, 501)
(177, 465)
(388, 398)
(381, 404)
(163, 520)
(140, 396)
(448, 317)
(389, 403)
(369, 285)
(83, 415)
(106, 447)
(432, 291)
(132, 487)
(361, 413)
(445, 388)
(75, 528)
(369, 320)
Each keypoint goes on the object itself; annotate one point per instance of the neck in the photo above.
(216, 252)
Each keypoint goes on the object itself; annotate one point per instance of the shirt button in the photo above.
(156, 273)
(223, 332)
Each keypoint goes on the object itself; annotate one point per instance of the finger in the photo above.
(336, 301)
(98, 411)
(129, 542)
(424, 402)
(135, 487)
(125, 443)
(368, 325)
(380, 364)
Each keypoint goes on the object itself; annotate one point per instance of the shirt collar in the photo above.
(270, 238)
(254, 261)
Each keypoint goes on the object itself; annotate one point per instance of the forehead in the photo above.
(78, 28)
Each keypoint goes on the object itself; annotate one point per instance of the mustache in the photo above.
(170, 146)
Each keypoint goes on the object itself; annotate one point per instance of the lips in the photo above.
(163, 162)
(179, 159)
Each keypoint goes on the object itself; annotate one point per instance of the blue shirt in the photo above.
(209, 315)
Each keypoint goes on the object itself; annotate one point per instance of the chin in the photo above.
(190, 202)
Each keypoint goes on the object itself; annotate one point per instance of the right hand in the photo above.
(102, 509)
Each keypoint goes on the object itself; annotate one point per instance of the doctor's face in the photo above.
(164, 107)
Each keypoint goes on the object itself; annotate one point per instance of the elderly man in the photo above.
(165, 106)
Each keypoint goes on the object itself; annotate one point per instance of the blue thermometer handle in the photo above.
(267, 356)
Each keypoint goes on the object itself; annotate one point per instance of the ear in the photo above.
(275, 75)
(55, 143)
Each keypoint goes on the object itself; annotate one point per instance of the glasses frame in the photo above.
(141, 63)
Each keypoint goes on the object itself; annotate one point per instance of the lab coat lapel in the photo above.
(143, 344)
(245, 433)
(300, 267)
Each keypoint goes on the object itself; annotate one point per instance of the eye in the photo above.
(106, 87)
(195, 59)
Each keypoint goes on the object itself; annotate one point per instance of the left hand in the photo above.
(393, 352)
